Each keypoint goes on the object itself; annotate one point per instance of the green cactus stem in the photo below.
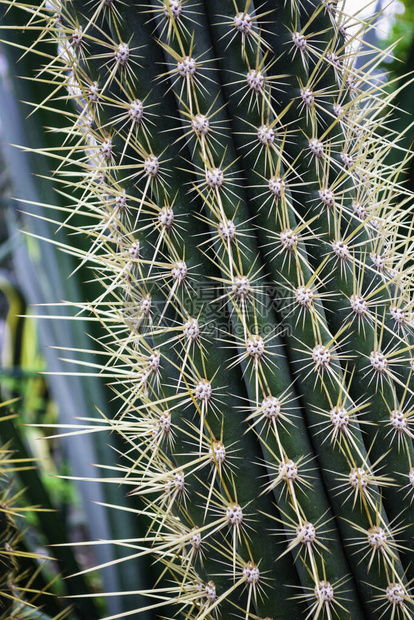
(252, 248)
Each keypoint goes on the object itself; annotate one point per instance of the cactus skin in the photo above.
(234, 168)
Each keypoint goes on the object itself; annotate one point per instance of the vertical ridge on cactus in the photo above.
(252, 244)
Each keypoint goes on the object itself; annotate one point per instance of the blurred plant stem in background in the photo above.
(20, 379)
(21, 363)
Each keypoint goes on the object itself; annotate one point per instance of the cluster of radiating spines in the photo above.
(343, 167)
(138, 255)
(242, 276)
(125, 220)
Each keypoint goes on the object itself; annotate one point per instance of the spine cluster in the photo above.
(252, 243)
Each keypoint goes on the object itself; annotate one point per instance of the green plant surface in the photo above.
(248, 257)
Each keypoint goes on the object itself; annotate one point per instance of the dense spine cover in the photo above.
(252, 242)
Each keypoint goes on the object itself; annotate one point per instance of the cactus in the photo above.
(252, 244)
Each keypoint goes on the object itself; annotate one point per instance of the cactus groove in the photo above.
(252, 244)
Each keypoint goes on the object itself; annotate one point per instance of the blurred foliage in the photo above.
(400, 69)
(25, 569)
(401, 33)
